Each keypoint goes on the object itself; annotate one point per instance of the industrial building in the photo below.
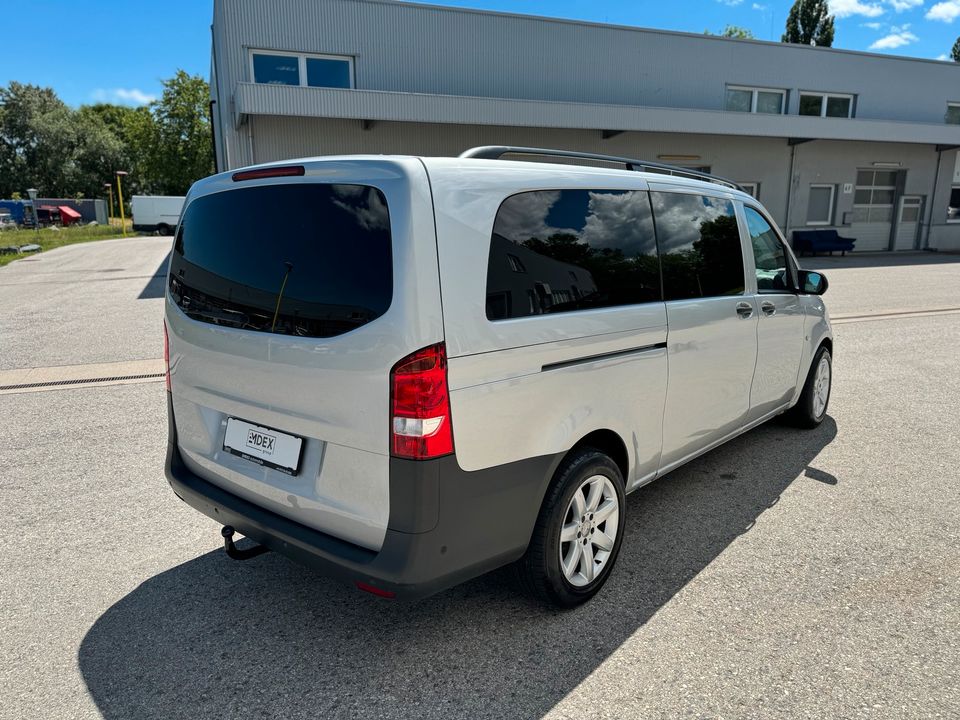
(825, 138)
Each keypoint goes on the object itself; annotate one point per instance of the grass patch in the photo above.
(49, 239)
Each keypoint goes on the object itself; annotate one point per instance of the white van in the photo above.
(156, 213)
(425, 368)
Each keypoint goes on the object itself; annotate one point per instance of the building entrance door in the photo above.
(873, 209)
(908, 222)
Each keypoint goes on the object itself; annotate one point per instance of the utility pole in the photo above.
(32, 193)
(109, 188)
(123, 220)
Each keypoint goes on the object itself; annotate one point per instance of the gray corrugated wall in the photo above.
(760, 160)
(438, 50)
(435, 50)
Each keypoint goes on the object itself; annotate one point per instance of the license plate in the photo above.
(263, 445)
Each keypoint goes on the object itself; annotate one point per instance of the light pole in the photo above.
(32, 193)
(123, 220)
(109, 188)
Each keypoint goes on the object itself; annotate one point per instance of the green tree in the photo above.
(955, 52)
(734, 31)
(180, 151)
(98, 153)
(63, 152)
(30, 118)
(809, 23)
(133, 128)
(45, 144)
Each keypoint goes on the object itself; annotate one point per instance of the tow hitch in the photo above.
(235, 552)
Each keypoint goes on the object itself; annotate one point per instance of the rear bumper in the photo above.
(446, 525)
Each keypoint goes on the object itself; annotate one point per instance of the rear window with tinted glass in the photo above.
(295, 259)
(558, 251)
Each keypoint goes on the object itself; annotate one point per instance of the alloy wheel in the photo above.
(589, 530)
(821, 387)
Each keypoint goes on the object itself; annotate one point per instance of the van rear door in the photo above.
(289, 300)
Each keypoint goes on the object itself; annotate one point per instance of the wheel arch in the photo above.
(610, 443)
(826, 342)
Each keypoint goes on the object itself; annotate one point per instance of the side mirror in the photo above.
(812, 283)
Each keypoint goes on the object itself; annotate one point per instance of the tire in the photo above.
(811, 408)
(541, 570)
(163, 230)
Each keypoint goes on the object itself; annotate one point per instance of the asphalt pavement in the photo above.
(788, 574)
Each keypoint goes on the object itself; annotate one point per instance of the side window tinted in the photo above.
(773, 270)
(699, 246)
(565, 250)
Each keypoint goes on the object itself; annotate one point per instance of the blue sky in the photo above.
(118, 51)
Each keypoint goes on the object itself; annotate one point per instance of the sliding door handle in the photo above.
(744, 310)
(768, 308)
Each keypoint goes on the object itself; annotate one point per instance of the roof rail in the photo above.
(496, 152)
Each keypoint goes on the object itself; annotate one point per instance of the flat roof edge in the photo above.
(252, 99)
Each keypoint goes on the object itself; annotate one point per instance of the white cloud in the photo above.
(525, 216)
(758, 6)
(943, 56)
(731, 3)
(122, 96)
(612, 222)
(846, 8)
(898, 37)
(872, 25)
(946, 11)
(680, 222)
(902, 5)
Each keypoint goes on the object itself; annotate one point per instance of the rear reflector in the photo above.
(281, 171)
(166, 354)
(379, 592)
(420, 426)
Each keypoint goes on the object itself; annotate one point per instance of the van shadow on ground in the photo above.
(157, 283)
(215, 638)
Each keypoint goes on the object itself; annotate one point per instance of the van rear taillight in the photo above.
(166, 354)
(420, 425)
(269, 172)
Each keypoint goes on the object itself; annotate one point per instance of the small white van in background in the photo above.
(426, 368)
(156, 213)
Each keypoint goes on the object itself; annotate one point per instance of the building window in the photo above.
(824, 105)
(276, 69)
(756, 100)
(953, 209)
(820, 205)
(515, 264)
(873, 196)
(329, 72)
(910, 209)
(752, 189)
(302, 69)
(953, 114)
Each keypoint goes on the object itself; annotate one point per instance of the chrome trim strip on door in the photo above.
(603, 356)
